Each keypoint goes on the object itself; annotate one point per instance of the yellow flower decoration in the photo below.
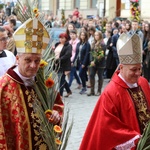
(35, 10)
(48, 114)
(58, 142)
(43, 63)
(57, 129)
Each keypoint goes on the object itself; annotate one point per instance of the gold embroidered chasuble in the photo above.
(141, 106)
(19, 125)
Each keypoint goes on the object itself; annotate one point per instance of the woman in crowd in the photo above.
(74, 41)
(70, 27)
(63, 52)
(146, 32)
(97, 65)
(110, 61)
(128, 25)
(82, 58)
(91, 31)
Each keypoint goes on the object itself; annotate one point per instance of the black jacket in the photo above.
(84, 55)
(64, 58)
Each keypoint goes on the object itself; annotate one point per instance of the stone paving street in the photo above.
(81, 107)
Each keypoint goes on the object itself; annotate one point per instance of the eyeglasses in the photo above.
(4, 39)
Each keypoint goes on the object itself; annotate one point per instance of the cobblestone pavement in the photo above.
(81, 107)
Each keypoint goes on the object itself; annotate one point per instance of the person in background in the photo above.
(114, 40)
(20, 125)
(11, 46)
(7, 58)
(128, 25)
(135, 29)
(56, 22)
(97, 63)
(82, 55)
(48, 22)
(17, 22)
(147, 63)
(146, 33)
(75, 22)
(8, 9)
(110, 60)
(63, 53)
(70, 27)
(91, 32)
(74, 41)
(122, 110)
(11, 24)
(76, 12)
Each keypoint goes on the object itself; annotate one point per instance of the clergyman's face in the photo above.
(131, 73)
(28, 64)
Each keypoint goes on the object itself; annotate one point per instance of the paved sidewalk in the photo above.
(81, 107)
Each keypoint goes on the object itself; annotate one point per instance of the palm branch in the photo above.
(144, 142)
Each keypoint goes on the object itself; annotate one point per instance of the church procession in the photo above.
(72, 72)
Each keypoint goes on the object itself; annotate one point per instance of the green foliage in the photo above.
(63, 20)
(1, 6)
(144, 142)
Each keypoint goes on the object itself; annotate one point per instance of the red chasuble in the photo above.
(19, 125)
(114, 120)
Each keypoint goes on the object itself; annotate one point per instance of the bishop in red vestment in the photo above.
(123, 109)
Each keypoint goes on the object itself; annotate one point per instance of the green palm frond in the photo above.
(144, 142)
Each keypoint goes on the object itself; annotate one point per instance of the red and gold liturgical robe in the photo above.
(19, 125)
(116, 118)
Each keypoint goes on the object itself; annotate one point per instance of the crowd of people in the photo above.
(101, 35)
(101, 57)
(110, 49)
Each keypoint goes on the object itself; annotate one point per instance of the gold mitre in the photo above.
(31, 37)
(129, 49)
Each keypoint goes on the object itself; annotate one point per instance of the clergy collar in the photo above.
(128, 84)
(3, 54)
(24, 79)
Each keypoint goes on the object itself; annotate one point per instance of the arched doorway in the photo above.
(118, 8)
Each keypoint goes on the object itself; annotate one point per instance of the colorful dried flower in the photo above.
(57, 129)
(35, 10)
(43, 63)
(48, 113)
(36, 15)
(58, 142)
(49, 82)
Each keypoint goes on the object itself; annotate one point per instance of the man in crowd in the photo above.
(19, 123)
(7, 58)
(122, 111)
(75, 22)
(135, 29)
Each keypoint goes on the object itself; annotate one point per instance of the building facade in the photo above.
(103, 8)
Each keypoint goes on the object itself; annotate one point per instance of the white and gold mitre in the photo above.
(31, 37)
(129, 49)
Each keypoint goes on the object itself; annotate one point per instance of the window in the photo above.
(57, 3)
(77, 3)
(93, 3)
